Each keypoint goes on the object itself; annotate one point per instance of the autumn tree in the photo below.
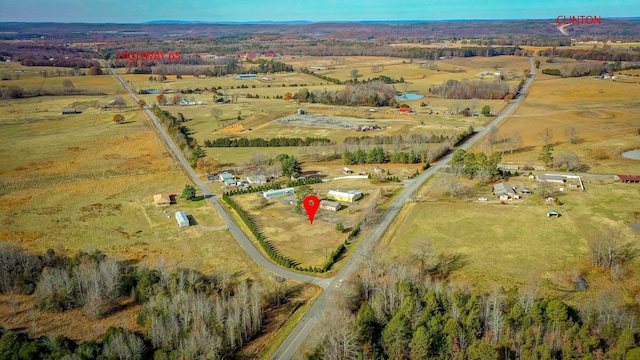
(118, 118)
(287, 96)
(176, 99)
(160, 99)
(95, 70)
(142, 103)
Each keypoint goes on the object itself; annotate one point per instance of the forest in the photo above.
(401, 311)
(374, 93)
(184, 314)
(470, 89)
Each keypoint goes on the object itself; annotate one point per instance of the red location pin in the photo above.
(311, 204)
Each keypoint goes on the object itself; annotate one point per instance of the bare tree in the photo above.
(354, 73)
(547, 136)
(607, 250)
(473, 105)
(451, 182)
(67, 85)
(545, 189)
(514, 142)
(457, 107)
(571, 134)
(216, 112)
(567, 159)
(119, 102)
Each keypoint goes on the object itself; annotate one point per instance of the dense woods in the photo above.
(185, 314)
(393, 311)
(374, 93)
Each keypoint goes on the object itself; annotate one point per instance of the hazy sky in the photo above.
(134, 11)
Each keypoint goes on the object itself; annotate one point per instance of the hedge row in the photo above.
(301, 182)
(266, 245)
(253, 189)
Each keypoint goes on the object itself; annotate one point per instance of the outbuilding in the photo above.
(257, 179)
(270, 194)
(505, 191)
(183, 220)
(330, 205)
(67, 111)
(551, 178)
(344, 196)
(551, 213)
(629, 178)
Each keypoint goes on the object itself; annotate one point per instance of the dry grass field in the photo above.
(310, 244)
(516, 243)
(604, 113)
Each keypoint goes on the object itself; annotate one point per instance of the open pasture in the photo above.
(83, 182)
(603, 113)
(517, 243)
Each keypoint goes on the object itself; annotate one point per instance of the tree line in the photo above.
(377, 155)
(184, 314)
(261, 142)
(592, 54)
(470, 89)
(375, 93)
(17, 92)
(180, 134)
(407, 310)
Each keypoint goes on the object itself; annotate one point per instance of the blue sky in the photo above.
(134, 11)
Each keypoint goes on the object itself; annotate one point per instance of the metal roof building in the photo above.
(344, 196)
(330, 205)
(270, 194)
(183, 220)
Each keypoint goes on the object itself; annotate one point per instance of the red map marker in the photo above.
(311, 204)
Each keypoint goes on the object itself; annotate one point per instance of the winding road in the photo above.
(311, 318)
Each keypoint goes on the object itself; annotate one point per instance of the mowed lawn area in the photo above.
(81, 182)
(517, 243)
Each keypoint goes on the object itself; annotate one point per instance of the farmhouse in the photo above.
(162, 199)
(183, 220)
(505, 191)
(225, 176)
(270, 194)
(330, 205)
(66, 111)
(628, 178)
(257, 179)
(344, 196)
(551, 178)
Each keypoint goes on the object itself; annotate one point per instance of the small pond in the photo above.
(409, 96)
(632, 154)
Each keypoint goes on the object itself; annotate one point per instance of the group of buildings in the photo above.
(167, 200)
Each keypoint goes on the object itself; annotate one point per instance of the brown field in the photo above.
(310, 244)
(604, 113)
(516, 243)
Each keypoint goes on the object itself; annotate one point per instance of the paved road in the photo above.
(245, 243)
(313, 316)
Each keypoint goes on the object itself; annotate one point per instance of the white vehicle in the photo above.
(483, 199)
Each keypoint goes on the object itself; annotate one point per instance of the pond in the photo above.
(409, 96)
(632, 154)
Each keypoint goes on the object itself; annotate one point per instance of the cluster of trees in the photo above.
(269, 67)
(377, 155)
(184, 314)
(477, 165)
(464, 51)
(580, 69)
(375, 93)
(290, 165)
(261, 142)
(383, 78)
(608, 54)
(59, 61)
(16, 92)
(396, 311)
(320, 76)
(253, 189)
(398, 141)
(469, 89)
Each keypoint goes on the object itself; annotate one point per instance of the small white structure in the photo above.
(344, 196)
(183, 220)
(226, 176)
(270, 194)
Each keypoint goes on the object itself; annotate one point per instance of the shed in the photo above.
(405, 110)
(344, 196)
(66, 111)
(330, 205)
(183, 220)
(551, 213)
(581, 283)
(270, 194)
(162, 199)
(551, 178)
(525, 190)
(629, 178)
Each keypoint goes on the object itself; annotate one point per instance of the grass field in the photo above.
(310, 244)
(517, 243)
(604, 114)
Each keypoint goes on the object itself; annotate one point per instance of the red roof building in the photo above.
(629, 178)
(404, 110)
